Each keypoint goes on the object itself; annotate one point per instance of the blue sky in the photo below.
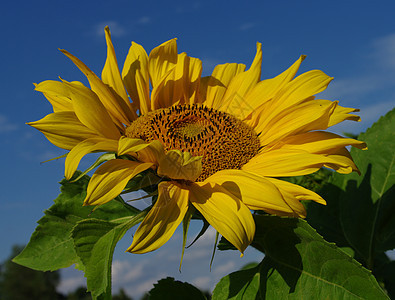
(353, 41)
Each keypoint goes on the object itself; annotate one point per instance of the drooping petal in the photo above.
(91, 112)
(255, 191)
(234, 101)
(63, 129)
(136, 77)
(111, 75)
(152, 152)
(162, 220)
(293, 194)
(127, 145)
(344, 163)
(226, 213)
(87, 146)
(119, 112)
(267, 89)
(341, 113)
(57, 94)
(289, 162)
(180, 165)
(218, 82)
(110, 179)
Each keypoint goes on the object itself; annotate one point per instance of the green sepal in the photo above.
(185, 226)
(101, 159)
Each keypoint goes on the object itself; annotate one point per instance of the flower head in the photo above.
(219, 142)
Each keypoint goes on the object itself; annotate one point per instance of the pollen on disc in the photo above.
(223, 141)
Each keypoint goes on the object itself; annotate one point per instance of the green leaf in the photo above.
(244, 284)
(170, 289)
(361, 209)
(51, 246)
(94, 242)
(367, 208)
(298, 264)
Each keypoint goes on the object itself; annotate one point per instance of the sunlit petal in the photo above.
(110, 179)
(226, 213)
(57, 94)
(87, 146)
(120, 113)
(218, 83)
(255, 191)
(136, 77)
(111, 75)
(234, 100)
(63, 129)
(91, 112)
(162, 220)
(288, 162)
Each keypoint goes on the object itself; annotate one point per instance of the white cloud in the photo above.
(73, 280)
(144, 20)
(6, 125)
(246, 26)
(384, 51)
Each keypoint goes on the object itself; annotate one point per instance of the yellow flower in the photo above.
(218, 142)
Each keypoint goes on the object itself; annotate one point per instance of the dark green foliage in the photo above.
(298, 264)
(21, 283)
(170, 289)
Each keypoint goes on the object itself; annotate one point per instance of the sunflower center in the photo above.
(223, 141)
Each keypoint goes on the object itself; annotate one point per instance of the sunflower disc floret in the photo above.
(223, 141)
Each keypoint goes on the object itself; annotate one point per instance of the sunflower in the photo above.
(219, 143)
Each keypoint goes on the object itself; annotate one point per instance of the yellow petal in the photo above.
(110, 179)
(293, 194)
(255, 191)
(299, 119)
(87, 146)
(162, 220)
(302, 87)
(136, 77)
(318, 142)
(341, 113)
(57, 94)
(267, 89)
(192, 79)
(161, 60)
(111, 75)
(119, 112)
(343, 162)
(63, 129)
(288, 162)
(170, 89)
(127, 145)
(219, 81)
(91, 112)
(234, 101)
(152, 152)
(180, 165)
(227, 214)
